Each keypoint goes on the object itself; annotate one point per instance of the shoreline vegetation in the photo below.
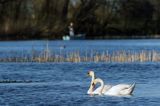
(120, 56)
(105, 37)
(98, 19)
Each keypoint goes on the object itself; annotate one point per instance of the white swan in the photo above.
(117, 90)
(90, 91)
(91, 74)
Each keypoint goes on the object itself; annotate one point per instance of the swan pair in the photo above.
(92, 85)
(117, 90)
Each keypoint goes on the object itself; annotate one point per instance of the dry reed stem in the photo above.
(88, 56)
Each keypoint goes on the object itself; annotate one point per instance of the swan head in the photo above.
(90, 73)
(97, 80)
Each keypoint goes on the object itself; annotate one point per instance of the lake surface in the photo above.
(67, 83)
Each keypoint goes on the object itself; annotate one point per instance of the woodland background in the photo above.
(98, 19)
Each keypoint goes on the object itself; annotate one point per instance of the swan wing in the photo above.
(106, 88)
(128, 90)
(117, 89)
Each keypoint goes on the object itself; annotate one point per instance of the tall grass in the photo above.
(88, 56)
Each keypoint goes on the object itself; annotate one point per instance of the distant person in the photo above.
(71, 30)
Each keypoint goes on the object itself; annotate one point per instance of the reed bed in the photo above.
(87, 56)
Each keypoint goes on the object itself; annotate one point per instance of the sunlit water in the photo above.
(67, 83)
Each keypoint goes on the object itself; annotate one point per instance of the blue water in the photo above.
(67, 83)
(86, 48)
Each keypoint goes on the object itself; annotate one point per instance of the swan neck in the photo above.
(102, 86)
(93, 77)
(91, 86)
